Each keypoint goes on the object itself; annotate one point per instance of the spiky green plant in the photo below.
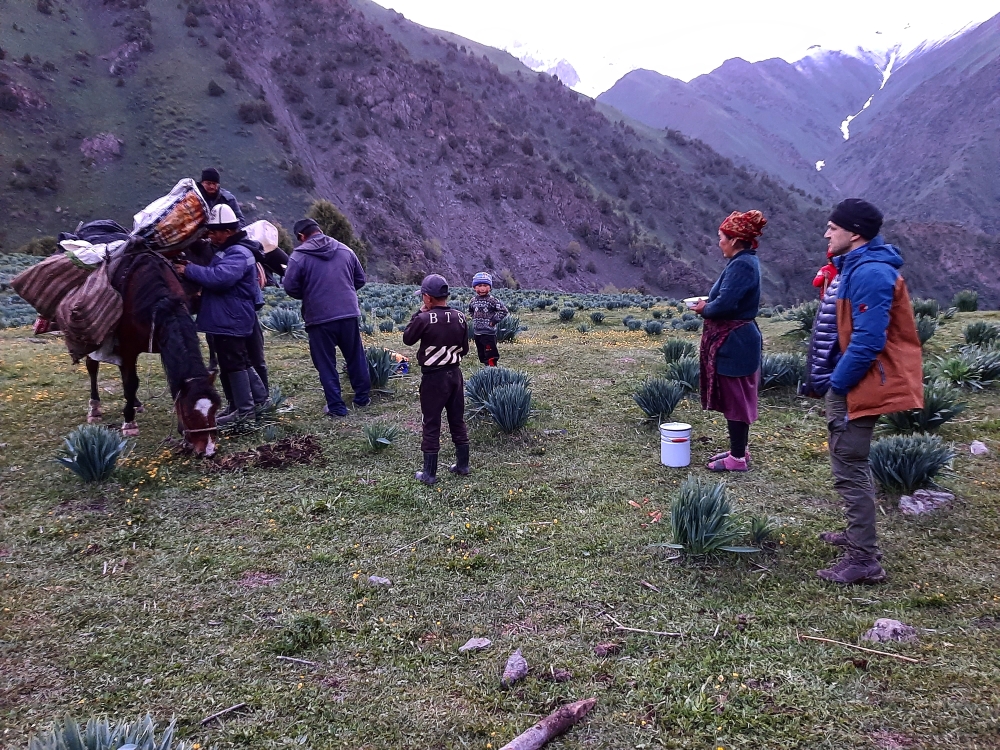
(583, 328)
(805, 314)
(686, 370)
(566, 314)
(674, 349)
(701, 519)
(633, 324)
(981, 333)
(597, 317)
(781, 370)
(940, 405)
(973, 367)
(91, 451)
(904, 463)
(658, 397)
(761, 529)
(926, 327)
(653, 327)
(100, 734)
(510, 406)
(928, 307)
(381, 366)
(966, 300)
(380, 435)
(284, 321)
(485, 380)
(302, 632)
(386, 326)
(508, 328)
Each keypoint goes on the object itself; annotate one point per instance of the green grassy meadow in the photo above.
(169, 588)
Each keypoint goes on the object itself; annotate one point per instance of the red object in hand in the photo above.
(825, 275)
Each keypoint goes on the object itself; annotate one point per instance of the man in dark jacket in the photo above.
(326, 275)
(444, 339)
(865, 360)
(211, 190)
(230, 299)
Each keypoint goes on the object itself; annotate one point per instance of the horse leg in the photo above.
(94, 413)
(130, 383)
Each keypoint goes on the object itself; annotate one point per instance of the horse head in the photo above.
(196, 404)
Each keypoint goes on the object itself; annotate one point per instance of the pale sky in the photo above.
(603, 41)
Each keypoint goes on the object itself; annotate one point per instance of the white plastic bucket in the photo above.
(675, 444)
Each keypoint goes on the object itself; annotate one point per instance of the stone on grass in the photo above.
(887, 630)
(607, 649)
(475, 644)
(516, 669)
(379, 581)
(924, 501)
(978, 448)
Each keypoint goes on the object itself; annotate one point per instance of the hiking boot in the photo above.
(849, 571)
(839, 539)
(429, 474)
(461, 465)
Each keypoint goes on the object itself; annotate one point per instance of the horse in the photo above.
(156, 317)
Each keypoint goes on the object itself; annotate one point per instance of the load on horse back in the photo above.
(156, 318)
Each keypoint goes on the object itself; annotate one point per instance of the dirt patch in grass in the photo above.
(888, 740)
(298, 449)
(255, 579)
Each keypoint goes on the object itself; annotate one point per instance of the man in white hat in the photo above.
(230, 299)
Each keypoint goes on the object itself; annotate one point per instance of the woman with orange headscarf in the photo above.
(731, 342)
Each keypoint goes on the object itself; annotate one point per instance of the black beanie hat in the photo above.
(305, 226)
(210, 175)
(857, 216)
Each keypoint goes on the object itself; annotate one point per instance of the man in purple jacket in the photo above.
(326, 275)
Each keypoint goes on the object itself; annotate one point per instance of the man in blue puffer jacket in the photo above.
(230, 299)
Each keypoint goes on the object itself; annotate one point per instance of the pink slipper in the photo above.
(728, 464)
(720, 456)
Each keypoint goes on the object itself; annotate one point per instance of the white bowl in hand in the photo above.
(691, 302)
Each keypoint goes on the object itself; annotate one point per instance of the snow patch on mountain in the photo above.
(535, 60)
(845, 126)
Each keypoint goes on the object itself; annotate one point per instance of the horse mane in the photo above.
(180, 348)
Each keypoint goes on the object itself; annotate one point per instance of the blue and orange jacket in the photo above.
(881, 367)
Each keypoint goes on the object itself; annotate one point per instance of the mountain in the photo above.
(772, 115)
(444, 154)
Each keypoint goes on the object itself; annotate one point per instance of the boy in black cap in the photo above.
(444, 340)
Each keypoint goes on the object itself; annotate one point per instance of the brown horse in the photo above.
(156, 317)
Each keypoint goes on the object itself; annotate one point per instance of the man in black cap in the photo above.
(326, 275)
(872, 367)
(212, 192)
(444, 340)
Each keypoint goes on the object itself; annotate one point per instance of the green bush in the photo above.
(481, 384)
(926, 326)
(92, 452)
(381, 364)
(653, 327)
(583, 328)
(633, 324)
(928, 307)
(966, 300)
(100, 734)
(940, 405)
(333, 223)
(701, 519)
(566, 314)
(256, 111)
(597, 317)
(674, 349)
(686, 370)
(303, 632)
(974, 367)
(904, 463)
(41, 247)
(658, 397)
(805, 314)
(781, 370)
(981, 333)
(508, 328)
(387, 326)
(761, 530)
(380, 435)
(284, 321)
(510, 406)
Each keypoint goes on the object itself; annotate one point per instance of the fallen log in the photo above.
(555, 724)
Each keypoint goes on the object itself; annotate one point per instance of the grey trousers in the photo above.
(850, 443)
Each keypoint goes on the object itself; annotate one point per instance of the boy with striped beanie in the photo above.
(486, 311)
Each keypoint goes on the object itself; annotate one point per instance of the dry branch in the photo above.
(556, 723)
(858, 648)
(223, 712)
(296, 661)
(625, 628)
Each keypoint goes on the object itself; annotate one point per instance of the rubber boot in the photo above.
(228, 392)
(242, 399)
(259, 391)
(461, 465)
(429, 474)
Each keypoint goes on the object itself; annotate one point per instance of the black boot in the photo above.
(429, 474)
(242, 399)
(461, 465)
